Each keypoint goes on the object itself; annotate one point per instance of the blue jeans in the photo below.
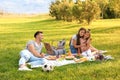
(27, 56)
(73, 50)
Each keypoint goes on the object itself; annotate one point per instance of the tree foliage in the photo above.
(90, 11)
(84, 10)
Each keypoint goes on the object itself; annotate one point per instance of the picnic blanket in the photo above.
(37, 64)
(59, 62)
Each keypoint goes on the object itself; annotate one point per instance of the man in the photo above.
(32, 52)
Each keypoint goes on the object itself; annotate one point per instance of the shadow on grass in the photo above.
(73, 26)
(106, 30)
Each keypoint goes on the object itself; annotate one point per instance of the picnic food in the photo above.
(63, 56)
(69, 57)
(51, 58)
(84, 59)
(77, 56)
(81, 59)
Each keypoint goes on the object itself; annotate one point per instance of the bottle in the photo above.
(57, 56)
(69, 53)
(78, 51)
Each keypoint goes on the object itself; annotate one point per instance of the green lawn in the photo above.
(14, 33)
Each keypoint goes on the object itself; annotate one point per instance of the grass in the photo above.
(14, 33)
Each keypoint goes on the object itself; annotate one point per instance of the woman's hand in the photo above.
(82, 45)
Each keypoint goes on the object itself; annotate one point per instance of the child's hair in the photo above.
(88, 31)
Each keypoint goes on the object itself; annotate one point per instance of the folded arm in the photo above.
(74, 44)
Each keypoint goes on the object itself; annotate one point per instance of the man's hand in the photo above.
(42, 55)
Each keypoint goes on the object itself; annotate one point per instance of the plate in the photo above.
(51, 58)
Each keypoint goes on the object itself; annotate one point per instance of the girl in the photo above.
(85, 42)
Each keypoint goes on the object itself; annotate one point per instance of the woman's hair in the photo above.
(36, 33)
(78, 35)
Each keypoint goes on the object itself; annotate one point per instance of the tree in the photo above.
(68, 5)
(55, 10)
(115, 6)
(78, 11)
(91, 11)
(103, 5)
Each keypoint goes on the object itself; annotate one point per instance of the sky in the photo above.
(25, 6)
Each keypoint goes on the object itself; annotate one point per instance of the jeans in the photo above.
(59, 51)
(73, 50)
(27, 56)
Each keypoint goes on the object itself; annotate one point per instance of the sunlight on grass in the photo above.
(14, 33)
(8, 20)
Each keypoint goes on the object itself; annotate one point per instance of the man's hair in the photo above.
(38, 32)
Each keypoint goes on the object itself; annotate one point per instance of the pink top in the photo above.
(84, 44)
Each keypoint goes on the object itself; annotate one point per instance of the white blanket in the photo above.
(52, 62)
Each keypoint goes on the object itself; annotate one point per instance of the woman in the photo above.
(75, 41)
(75, 44)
